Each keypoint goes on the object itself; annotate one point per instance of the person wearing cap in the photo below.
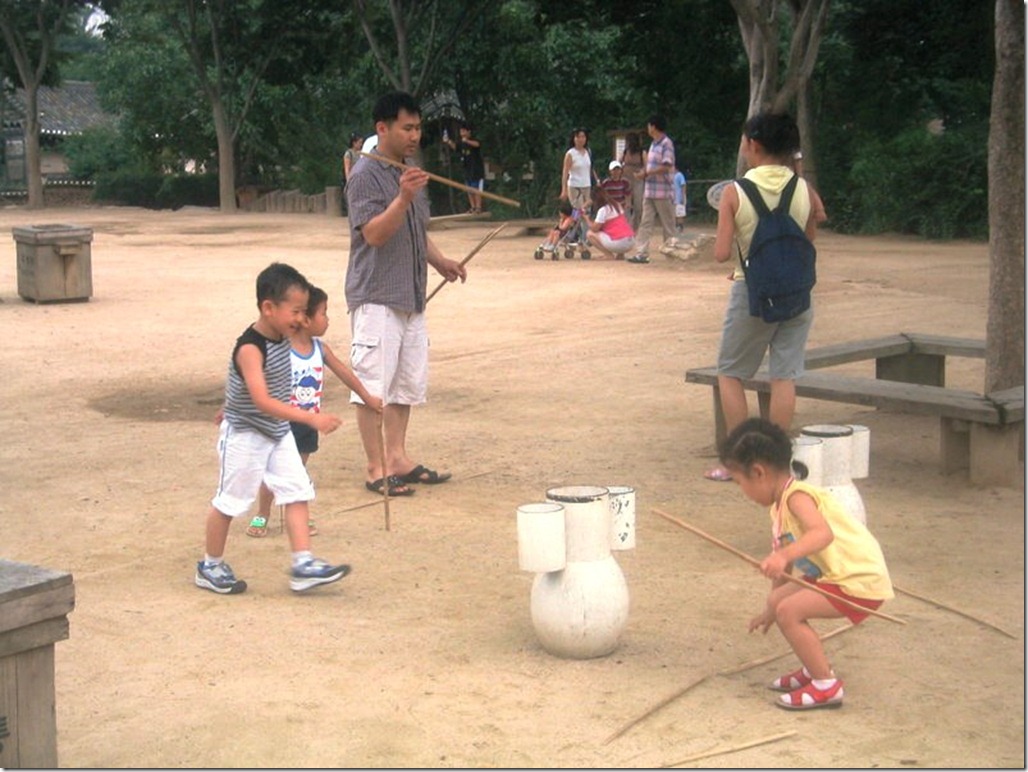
(617, 188)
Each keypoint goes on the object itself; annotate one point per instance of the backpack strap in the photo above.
(753, 194)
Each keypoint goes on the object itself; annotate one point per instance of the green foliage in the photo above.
(919, 183)
(128, 187)
(95, 151)
(179, 190)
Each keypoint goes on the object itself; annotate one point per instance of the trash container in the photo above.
(54, 262)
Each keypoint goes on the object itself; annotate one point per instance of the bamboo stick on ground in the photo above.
(732, 671)
(771, 658)
(488, 237)
(445, 180)
(732, 749)
(663, 703)
(979, 620)
(788, 577)
(382, 459)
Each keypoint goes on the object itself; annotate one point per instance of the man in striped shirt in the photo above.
(390, 252)
(658, 189)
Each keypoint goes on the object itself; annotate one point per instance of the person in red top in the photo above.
(617, 188)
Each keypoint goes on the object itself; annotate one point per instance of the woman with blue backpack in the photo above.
(766, 222)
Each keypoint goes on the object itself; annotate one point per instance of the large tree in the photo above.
(1004, 338)
(410, 38)
(761, 26)
(30, 29)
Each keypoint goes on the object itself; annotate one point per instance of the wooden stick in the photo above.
(471, 254)
(771, 658)
(732, 671)
(788, 577)
(382, 460)
(721, 751)
(445, 181)
(662, 704)
(897, 588)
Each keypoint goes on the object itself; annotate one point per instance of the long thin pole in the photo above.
(446, 181)
(471, 254)
(693, 684)
(754, 562)
(382, 460)
(980, 621)
(733, 749)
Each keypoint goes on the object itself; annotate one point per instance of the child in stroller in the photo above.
(566, 233)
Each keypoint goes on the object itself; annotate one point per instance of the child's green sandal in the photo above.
(258, 527)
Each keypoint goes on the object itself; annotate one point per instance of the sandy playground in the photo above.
(543, 374)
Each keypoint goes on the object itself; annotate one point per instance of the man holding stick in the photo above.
(390, 252)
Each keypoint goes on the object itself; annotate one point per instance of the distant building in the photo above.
(64, 111)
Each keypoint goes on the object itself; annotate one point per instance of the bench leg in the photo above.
(954, 444)
(926, 369)
(720, 430)
(996, 455)
(764, 405)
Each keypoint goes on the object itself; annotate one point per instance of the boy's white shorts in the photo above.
(248, 458)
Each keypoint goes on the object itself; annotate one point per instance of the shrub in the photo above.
(179, 190)
(128, 188)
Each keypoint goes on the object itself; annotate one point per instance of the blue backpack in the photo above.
(780, 266)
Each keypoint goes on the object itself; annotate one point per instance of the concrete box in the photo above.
(54, 262)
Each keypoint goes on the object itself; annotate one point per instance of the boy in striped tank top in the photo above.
(255, 443)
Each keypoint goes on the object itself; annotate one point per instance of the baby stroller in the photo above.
(566, 236)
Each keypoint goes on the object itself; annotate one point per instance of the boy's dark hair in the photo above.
(316, 296)
(658, 121)
(388, 106)
(757, 440)
(565, 208)
(275, 281)
(465, 125)
(777, 132)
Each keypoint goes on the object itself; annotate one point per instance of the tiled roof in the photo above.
(66, 109)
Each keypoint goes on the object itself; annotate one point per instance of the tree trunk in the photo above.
(33, 165)
(226, 158)
(1004, 336)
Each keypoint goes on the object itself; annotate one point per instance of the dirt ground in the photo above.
(543, 374)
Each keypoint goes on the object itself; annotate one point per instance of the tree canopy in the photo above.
(896, 98)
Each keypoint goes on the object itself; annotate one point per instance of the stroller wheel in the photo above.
(554, 255)
(539, 253)
(586, 255)
(569, 253)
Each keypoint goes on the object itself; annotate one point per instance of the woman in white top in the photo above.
(576, 179)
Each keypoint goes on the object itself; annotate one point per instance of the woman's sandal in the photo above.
(424, 475)
(397, 487)
(258, 527)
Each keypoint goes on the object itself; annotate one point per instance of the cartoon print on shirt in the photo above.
(307, 392)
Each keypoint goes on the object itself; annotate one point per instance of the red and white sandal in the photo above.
(790, 681)
(809, 697)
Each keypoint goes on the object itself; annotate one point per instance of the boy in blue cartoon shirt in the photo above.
(309, 356)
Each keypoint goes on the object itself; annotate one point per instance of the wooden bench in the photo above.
(981, 433)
